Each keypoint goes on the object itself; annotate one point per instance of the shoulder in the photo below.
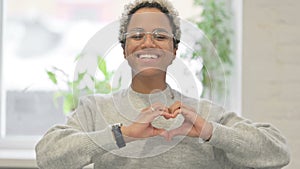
(90, 105)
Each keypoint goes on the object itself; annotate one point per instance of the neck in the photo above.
(148, 84)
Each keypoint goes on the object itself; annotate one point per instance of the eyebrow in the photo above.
(136, 29)
(143, 30)
(161, 29)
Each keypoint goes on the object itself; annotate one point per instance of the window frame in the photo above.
(2, 124)
(14, 151)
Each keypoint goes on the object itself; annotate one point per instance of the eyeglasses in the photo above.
(159, 37)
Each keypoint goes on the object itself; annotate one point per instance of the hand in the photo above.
(142, 128)
(193, 125)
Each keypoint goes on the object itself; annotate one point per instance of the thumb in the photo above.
(165, 134)
(158, 131)
(176, 132)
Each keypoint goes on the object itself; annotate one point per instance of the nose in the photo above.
(148, 41)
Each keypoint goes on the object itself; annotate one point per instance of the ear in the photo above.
(124, 52)
(175, 50)
(174, 53)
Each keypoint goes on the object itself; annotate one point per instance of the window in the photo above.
(38, 35)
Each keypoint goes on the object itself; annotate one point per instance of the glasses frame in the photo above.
(153, 38)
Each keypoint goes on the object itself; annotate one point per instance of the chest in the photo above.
(156, 153)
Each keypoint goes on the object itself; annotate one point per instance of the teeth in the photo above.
(148, 56)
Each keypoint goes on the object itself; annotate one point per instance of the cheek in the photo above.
(128, 50)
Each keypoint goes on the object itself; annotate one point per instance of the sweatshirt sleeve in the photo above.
(248, 144)
(74, 144)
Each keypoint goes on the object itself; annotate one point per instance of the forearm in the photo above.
(64, 147)
(251, 145)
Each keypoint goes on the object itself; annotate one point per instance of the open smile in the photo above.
(147, 56)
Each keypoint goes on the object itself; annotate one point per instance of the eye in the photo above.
(161, 36)
(136, 36)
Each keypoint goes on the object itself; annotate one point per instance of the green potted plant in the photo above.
(215, 24)
(71, 94)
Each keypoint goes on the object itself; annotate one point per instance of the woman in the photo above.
(161, 128)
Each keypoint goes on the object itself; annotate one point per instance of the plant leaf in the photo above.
(70, 103)
(102, 66)
(81, 76)
(52, 77)
(77, 57)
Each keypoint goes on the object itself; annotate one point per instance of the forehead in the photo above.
(149, 19)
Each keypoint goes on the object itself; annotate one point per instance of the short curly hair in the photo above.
(164, 6)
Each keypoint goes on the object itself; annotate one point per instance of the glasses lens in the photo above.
(158, 37)
(161, 36)
(137, 36)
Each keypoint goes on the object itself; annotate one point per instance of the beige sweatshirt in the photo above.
(236, 143)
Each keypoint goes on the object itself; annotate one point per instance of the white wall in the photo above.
(271, 67)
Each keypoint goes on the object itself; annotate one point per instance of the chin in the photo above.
(149, 71)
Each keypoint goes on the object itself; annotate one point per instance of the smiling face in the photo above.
(149, 45)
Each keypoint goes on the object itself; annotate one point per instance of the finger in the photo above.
(147, 116)
(154, 107)
(178, 111)
(187, 114)
(176, 105)
(169, 116)
(188, 107)
(152, 112)
(160, 110)
(166, 115)
(191, 119)
(158, 107)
